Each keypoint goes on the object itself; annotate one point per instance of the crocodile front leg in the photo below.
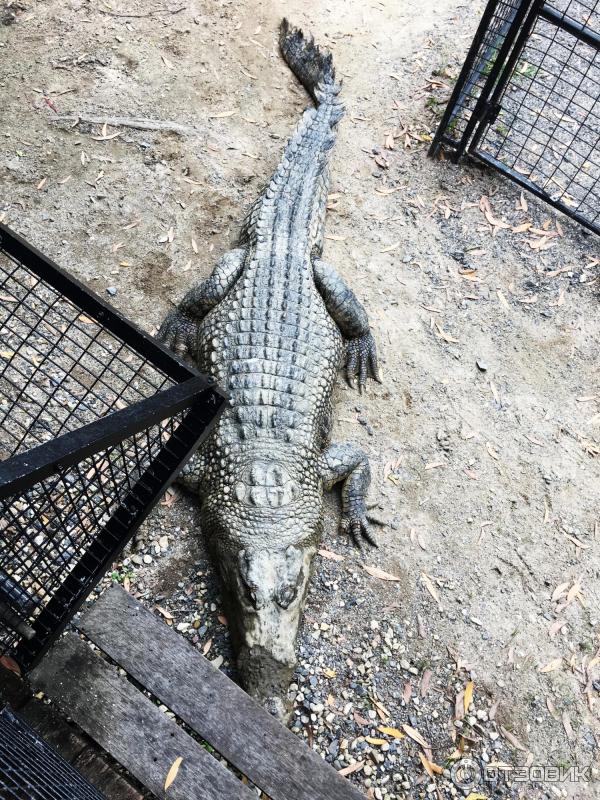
(178, 328)
(351, 318)
(346, 462)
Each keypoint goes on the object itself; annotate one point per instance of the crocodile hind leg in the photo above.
(346, 462)
(179, 327)
(351, 318)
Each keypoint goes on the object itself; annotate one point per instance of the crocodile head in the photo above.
(263, 543)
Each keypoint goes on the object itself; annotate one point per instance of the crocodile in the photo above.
(273, 324)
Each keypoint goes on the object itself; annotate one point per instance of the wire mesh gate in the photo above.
(95, 419)
(527, 101)
(32, 770)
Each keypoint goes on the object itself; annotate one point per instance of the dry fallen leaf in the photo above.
(577, 542)
(468, 698)
(552, 709)
(222, 114)
(556, 627)
(351, 768)
(512, 739)
(163, 612)
(443, 335)
(491, 451)
(566, 721)
(427, 765)
(332, 556)
(574, 591)
(416, 736)
(431, 768)
(552, 666)
(521, 204)
(172, 773)
(387, 191)
(394, 732)
(560, 590)
(373, 740)
(8, 663)
(170, 497)
(429, 585)
(104, 139)
(425, 681)
(486, 208)
(381, 710)
(379, 573)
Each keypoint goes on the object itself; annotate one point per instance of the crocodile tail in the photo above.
(313, 67)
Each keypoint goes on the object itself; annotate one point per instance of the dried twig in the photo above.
(140, 123)
(140, 16)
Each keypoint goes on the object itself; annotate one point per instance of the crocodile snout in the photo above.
(265, 595)
(266, 678)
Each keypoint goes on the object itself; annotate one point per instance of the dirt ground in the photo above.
(484, 438)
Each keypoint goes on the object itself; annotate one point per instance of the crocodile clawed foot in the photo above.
(361, 361)
(175, 332)
(357, 526)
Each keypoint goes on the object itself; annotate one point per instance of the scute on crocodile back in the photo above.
(266, 484)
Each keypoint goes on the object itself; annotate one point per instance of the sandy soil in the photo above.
(484, 438)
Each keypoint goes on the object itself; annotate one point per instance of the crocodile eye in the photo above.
(250, 592)
(286, 596)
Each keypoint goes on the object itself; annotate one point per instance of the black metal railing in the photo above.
(527, 101)
(96, 418)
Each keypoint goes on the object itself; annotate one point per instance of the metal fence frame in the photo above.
(195, 396)
(516, 32)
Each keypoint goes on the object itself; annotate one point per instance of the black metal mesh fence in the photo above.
(32, 770)
(59, 368)
(493, 38)
(527, 101)
(548, 127)
(126, 424)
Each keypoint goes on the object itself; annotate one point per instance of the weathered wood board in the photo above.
(130, 727)
(210, 703)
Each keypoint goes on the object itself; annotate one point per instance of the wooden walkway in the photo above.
(113, 710)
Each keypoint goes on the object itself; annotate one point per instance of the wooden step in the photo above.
(129, 725)
(210, 703)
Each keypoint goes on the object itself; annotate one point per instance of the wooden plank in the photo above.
(129, 726)
(104, 777)
(225, 716)
(52, 727)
